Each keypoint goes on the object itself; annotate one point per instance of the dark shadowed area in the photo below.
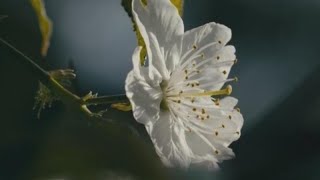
(278, 71)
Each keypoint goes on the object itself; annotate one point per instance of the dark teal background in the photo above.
(277, 44)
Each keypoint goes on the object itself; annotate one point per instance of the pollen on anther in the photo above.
(192, 85)
(223, 126)
(202, 55)
(192, 100)
(216, 133)
(179, 101)
(238, 132)
(181, 92)
(219, 42)
(208, 116)
(237, 109)
(203, 111)
(230, 117)
(224, 72)
(186, 77)
(216, 151)
(186, 71)
(218, 57)
(216, 102)
(194, 47)
(194, 109)
(202, 118)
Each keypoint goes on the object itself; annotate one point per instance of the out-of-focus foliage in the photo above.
(2, 17)
(127, 5)
(44, 98)
(45, 24)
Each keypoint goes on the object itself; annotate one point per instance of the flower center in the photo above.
(164, 104)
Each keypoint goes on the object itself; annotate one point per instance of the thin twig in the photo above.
(44, 75)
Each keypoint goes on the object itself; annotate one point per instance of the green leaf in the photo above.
(45, 24)
(127, 5)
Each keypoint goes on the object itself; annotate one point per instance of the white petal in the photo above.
(169, 141)
(145, 100)
(157, 60)
(201, 36)
(228, 102)
(160, 18)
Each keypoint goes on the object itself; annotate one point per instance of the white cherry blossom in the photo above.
(177, 95)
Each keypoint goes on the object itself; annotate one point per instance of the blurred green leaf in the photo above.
(45, 24)
(127, 5)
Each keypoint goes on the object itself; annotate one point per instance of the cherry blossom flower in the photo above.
(180, 93)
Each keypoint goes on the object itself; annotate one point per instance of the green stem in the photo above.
(65, 95)
(107, 99)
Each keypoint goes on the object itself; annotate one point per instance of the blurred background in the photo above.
(277, 44)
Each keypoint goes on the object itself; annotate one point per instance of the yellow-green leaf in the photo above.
(45, 24)
(128, 8)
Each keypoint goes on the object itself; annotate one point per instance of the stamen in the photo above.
(226, 91)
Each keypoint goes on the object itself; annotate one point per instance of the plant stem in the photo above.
(65, 95)
(43, 74)
(107, 99)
